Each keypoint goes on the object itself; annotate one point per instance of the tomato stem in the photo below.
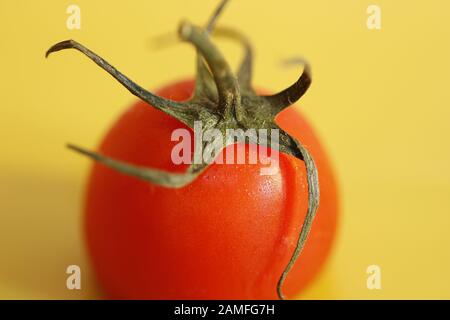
(227, 85)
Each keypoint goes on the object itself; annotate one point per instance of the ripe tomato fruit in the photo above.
(227, 235)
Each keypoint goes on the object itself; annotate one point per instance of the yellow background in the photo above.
(379, 100)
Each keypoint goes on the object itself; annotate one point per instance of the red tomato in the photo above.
(227, 235)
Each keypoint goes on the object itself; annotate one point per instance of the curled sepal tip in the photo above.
(59, 46)
(289, 96)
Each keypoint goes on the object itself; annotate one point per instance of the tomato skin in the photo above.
(227, 235)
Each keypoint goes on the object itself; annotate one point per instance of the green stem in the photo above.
(227, 85)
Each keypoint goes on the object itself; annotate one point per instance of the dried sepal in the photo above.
(297, 150)
(157, 177)
(175, 109)
(289, 96)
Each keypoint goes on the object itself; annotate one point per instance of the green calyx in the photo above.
(221, 100)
